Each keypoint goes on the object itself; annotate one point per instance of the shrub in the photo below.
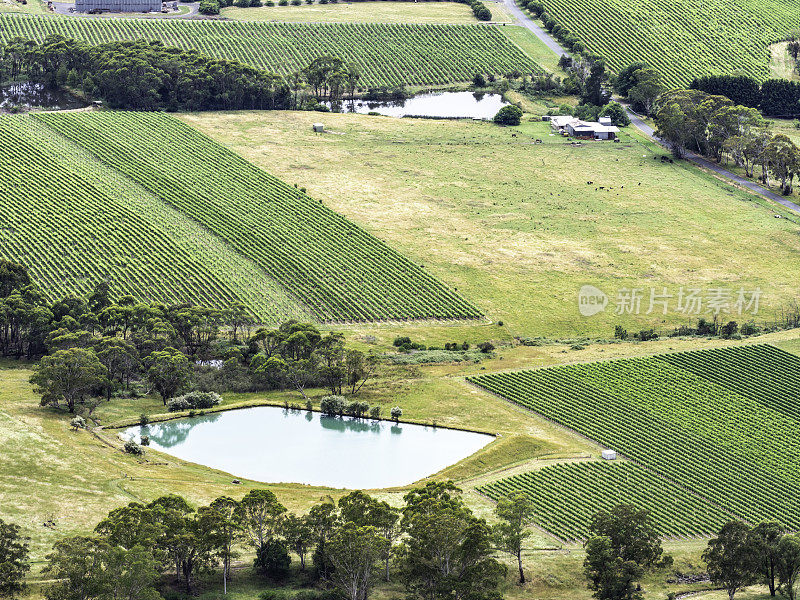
(397, 412)
(332, 405)
(144, 419)
(256, 3)
(283, 2)
(309, 406)
(401, 341)
(194, 400)
(617, 113)
(375, 412)
(241, 3)
(483, 14)
(296, 2)
(479, 80)
(620, 332)
(508, 115)
(486, 347)
(272, 560)
(78, 423)
(132, 447)
(209, 7)
(145, 440)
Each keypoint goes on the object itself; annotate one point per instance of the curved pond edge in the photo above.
(162, 417)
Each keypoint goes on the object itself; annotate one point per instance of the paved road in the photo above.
(530, 24)
(551, 43)
(707, 164)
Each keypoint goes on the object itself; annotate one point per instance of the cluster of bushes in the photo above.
(479, 10)
(194, 400)
(508, 115)
(338, 406)
(405, 344)
(704, 328)
(774, 97)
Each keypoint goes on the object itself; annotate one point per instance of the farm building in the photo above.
(143, 6)
(598, 130)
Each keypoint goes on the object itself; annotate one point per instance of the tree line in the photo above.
(715, 127)
(147, 75)
(774, 97)
(101, 346)
(433, 545)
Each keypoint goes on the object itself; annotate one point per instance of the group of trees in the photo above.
(641, 85)
(434, 545)
(104, 346)
(766, 554)
(774, 97)
(144, 75)
(715, 127)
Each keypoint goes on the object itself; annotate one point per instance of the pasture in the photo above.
(513, 224)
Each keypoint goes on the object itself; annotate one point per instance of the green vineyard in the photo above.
(386, 55)
(713, 435)
(171, 216)
(683, 39)
(567, 495)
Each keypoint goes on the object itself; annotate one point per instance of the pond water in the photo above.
(29, 95)
(467, 105)
(272, 444)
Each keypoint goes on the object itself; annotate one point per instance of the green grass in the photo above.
(367, 12)
(721, 440)
(567, 495)
(514, 226)
(385, 54)
(293, 245)
(682, 39)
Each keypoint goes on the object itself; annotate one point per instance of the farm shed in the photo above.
(602, 130)
(142, 6)
(318, 128)
(609, 454)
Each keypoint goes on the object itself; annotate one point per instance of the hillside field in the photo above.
(385, 54)
(514, 226)
(211, 231)
(369, 12)
(721, 423)
(683, 39)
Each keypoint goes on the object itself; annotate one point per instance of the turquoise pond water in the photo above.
(272, 445)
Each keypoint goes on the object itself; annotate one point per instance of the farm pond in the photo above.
(442, 105)
(27, 95)
(272, 445)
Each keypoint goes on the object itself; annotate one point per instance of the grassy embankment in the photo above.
(515, 226)
(368, 12)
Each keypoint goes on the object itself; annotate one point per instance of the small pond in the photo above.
(271, 444)
(467, 105)
(27, 95)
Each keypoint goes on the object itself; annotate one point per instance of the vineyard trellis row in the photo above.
(709, 421)
(567, 495)
(288, 255)
(682, 39)
(386, 54)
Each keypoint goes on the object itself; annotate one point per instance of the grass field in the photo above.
(368, 12)
(677, 415)
(386, 54)
(240, 234)
(682, 39)
(514, 226)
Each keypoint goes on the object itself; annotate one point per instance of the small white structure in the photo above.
(598, 130)
(318, 128)
(609, 454)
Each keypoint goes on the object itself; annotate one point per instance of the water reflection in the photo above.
(27, 95)
(273, 444)
(464, 105)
